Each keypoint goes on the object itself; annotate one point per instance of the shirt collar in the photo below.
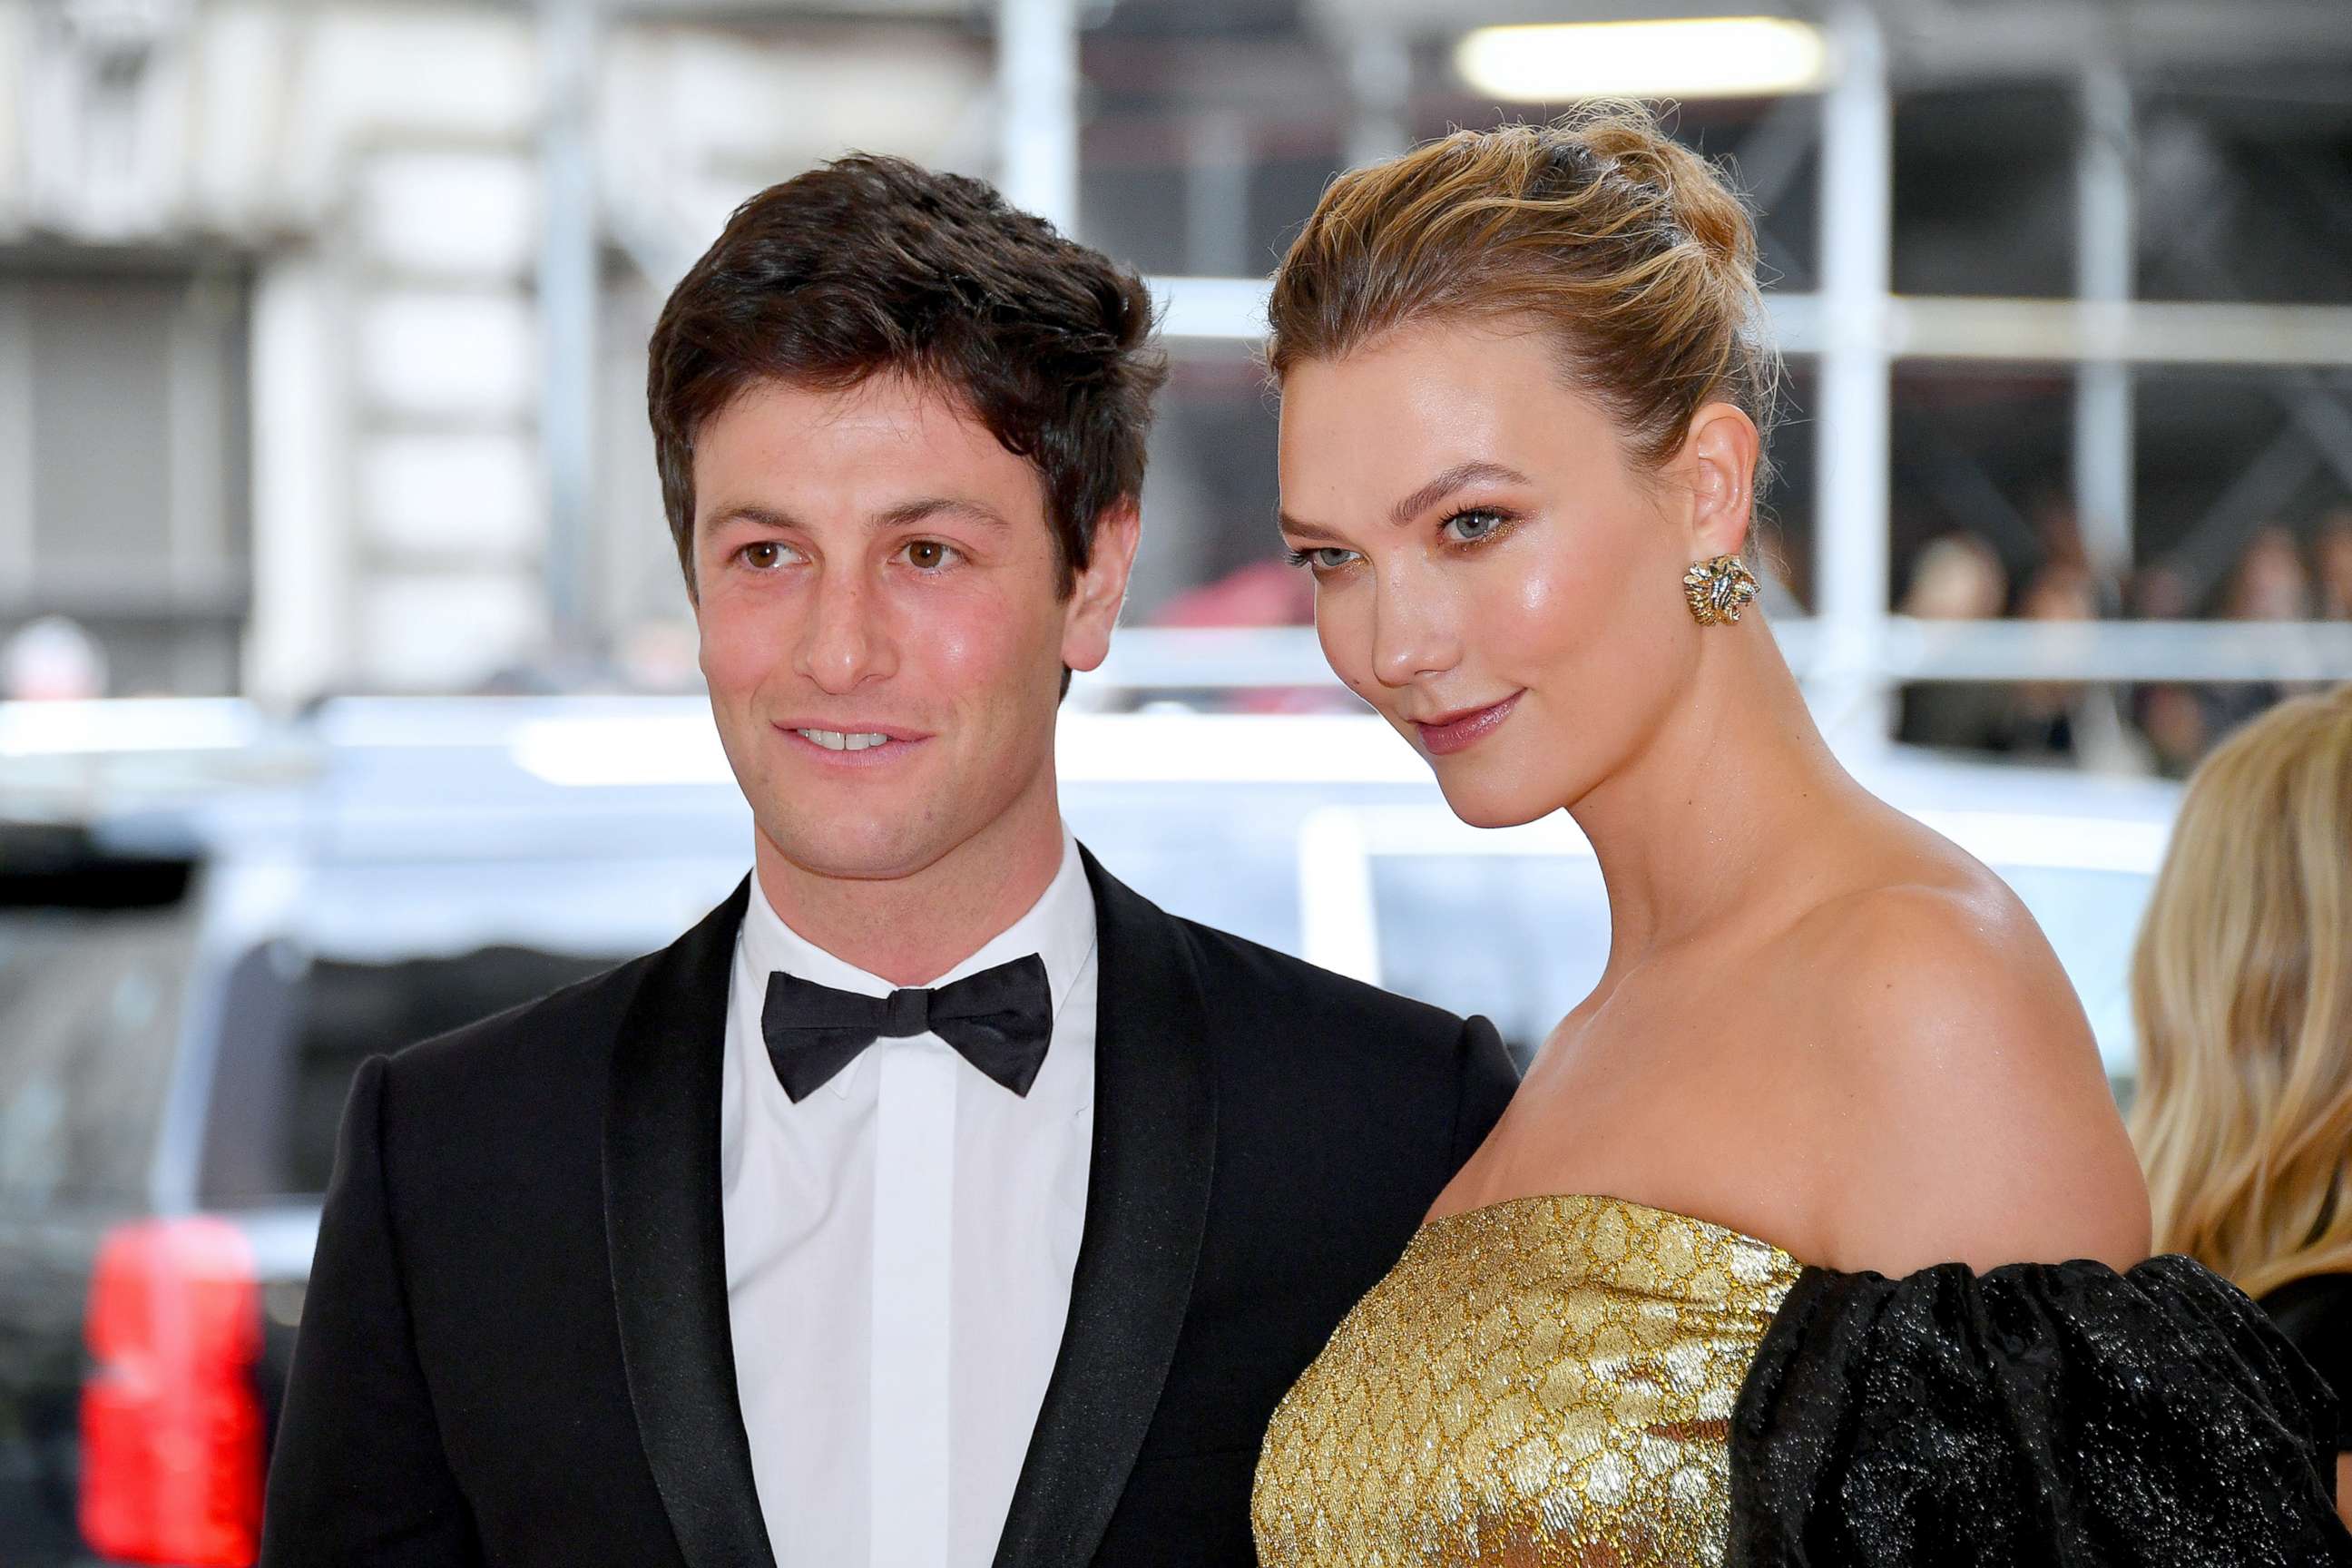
(1058, 928)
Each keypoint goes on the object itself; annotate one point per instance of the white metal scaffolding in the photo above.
(1850, 550)
(1037, 107)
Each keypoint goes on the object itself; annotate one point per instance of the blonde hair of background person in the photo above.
(2242, 986)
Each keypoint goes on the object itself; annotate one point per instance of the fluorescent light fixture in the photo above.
(1698, 56)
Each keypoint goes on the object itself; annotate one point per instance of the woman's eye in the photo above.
(1470, 527)
(1323, 558)
(928, 554)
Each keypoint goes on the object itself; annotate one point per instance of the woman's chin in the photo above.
(1483, 805)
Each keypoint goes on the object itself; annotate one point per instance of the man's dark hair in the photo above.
(872, 265)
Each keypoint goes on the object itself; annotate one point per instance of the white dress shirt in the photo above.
(899, 1247)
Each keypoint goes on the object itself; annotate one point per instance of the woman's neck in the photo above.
(1717, 806)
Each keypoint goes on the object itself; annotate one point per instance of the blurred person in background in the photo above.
(2241, 983)
(2038, 720)
(1813, 1235)
(2068, 721)
(1958, 578)
(51, 659)
(2169, 716)
(2332, 557)
(935, 1202)
(2269, 583)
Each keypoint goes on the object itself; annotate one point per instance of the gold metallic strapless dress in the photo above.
(1544, 1381)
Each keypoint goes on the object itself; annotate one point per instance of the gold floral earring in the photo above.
(1718, 589)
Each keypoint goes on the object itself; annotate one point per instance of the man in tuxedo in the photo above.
(936, 1201)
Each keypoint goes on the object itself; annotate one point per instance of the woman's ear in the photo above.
(1719, 463)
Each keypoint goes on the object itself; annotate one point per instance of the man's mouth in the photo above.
(844, 739)
(848, 743)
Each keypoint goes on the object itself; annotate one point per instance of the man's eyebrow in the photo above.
(913, 511)
(755, 516)
(1447, 483)
(935, 506)
(898, 516)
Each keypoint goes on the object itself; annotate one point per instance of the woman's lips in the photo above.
(1465, 729)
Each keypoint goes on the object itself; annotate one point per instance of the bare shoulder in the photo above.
(1969, 1115)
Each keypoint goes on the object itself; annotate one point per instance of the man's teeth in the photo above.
(840, 741)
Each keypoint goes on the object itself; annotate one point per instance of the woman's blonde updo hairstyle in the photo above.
(2241, 988)
(1633, 250)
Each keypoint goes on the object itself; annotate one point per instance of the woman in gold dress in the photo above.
(1812, 1235)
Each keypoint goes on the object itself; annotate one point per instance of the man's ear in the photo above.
(1719, 463)
(1101, 588)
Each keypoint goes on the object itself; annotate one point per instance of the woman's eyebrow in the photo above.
(1297, 530)
(1447, 483)
(1420, 501)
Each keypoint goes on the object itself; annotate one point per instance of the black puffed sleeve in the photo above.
(2315, 1313)
(2058, 1413)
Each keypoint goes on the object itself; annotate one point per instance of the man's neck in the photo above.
(912, 929)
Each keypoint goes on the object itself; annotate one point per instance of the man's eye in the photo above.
(762, 555)
(928, 554)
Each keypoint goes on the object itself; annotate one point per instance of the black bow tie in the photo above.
(999, 1020)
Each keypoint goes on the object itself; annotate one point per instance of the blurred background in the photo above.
(346, 687)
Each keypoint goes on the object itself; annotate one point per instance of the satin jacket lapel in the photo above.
(663, 1227)
(1155, 1139)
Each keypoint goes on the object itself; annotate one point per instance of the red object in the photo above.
(170, 1423)
(1262, 594)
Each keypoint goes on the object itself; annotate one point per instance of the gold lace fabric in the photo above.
(1543, 1381)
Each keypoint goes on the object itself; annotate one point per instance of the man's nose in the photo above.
(841, 642)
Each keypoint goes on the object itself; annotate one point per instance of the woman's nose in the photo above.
(1414, 633)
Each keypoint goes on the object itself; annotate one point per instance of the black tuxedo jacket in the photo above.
(515, 1348)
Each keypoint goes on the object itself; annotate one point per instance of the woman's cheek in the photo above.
(1518, 612)
(1341, 638)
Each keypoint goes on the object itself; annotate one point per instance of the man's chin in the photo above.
(857, 852)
